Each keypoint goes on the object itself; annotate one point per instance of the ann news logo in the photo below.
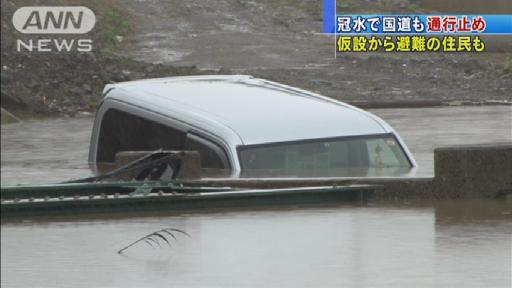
(50, 20)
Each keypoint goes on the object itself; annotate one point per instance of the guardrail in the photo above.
(73, 199)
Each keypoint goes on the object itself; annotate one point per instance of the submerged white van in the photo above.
(248, 127)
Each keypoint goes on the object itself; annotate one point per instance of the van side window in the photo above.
(122, 131)
(212, 155)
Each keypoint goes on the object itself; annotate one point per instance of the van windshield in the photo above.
(375, 155)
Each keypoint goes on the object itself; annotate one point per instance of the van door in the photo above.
(212, 155)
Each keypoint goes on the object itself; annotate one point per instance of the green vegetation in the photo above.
(112, 27)
(413, 7)
(310, 7)
(508, 63)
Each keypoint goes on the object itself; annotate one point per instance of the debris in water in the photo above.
(156, 237)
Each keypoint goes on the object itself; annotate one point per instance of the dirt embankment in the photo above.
(60, 84)
(45, 84)
(280, 40)
(273, 39)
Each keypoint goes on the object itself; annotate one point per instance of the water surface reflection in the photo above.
(375, 245)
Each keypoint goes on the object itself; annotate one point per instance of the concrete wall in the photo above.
(476, 171)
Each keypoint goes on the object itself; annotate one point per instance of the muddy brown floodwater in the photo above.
(36, 152)
(464, 243)
(445, 244)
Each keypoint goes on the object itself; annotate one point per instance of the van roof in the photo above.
(259, 111)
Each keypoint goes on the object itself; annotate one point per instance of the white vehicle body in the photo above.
(236, 110)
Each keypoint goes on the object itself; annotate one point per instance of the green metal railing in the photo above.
(118, 197)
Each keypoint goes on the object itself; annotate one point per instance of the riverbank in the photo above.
(35, 85)
(275, 40)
